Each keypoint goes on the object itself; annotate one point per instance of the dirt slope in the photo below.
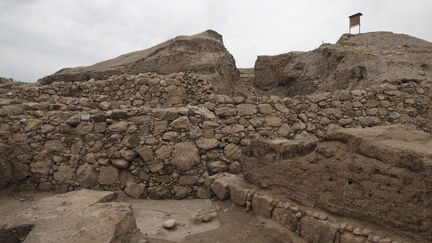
(203, 53)
(354, 62)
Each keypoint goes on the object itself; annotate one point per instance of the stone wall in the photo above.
(162, 136)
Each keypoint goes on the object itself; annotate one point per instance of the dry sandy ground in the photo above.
(233, 224)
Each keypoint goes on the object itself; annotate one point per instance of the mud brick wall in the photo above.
(382, 175)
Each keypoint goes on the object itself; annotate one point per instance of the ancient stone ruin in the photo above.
(332, 145)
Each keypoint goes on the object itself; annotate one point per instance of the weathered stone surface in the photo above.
(33, 125)
(220, 187)
(84, 128)
(233, 151)
(188, 180)
(181, 192)
(159, 192)
(207, 143)
(225, 111)
(135, 190)
(160, 126)
(104, 105)
(146, 153)
(128, 154)
(164, 152)
(86, 176)
(131, 141)
(285, 217)
(265, 108)
(235, 167)
(64, 174)
(262, 205)
(216, 166)
(71, 217)
(281, 108)
(120, 163)
(314, 230)
(273, 121)
(185, 156)
(239, 195)
(54, 145)
(108, 175)
(156, 166)
(73, 120)
(246, 109)
(11, 110)
(120, 126)
(40, 168)
(180, 123)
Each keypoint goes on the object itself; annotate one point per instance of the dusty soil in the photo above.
(233, 224)
(237, 225)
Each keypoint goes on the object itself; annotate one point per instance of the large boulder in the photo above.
(71, 217)
(354, 62)
(185, 156)
(203, 53)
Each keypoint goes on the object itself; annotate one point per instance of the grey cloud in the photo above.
(38, 37)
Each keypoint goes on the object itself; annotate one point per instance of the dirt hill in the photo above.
(354, 62)
(203, 53)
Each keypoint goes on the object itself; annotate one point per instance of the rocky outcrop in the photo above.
(204, 54)
(71, 217)
(354, 62)
(380, 174)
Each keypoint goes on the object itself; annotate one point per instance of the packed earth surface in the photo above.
(174, 143)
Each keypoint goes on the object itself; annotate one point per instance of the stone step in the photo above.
(311, 224)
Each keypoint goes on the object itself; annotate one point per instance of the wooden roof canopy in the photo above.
(355, 15)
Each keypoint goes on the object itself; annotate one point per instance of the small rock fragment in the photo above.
(170, 224)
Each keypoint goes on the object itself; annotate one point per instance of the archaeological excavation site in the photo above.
(174, 143)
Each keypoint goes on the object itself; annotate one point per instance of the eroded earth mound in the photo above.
(204, 54)
(354, 62)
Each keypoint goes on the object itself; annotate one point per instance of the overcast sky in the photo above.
(39, 37)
